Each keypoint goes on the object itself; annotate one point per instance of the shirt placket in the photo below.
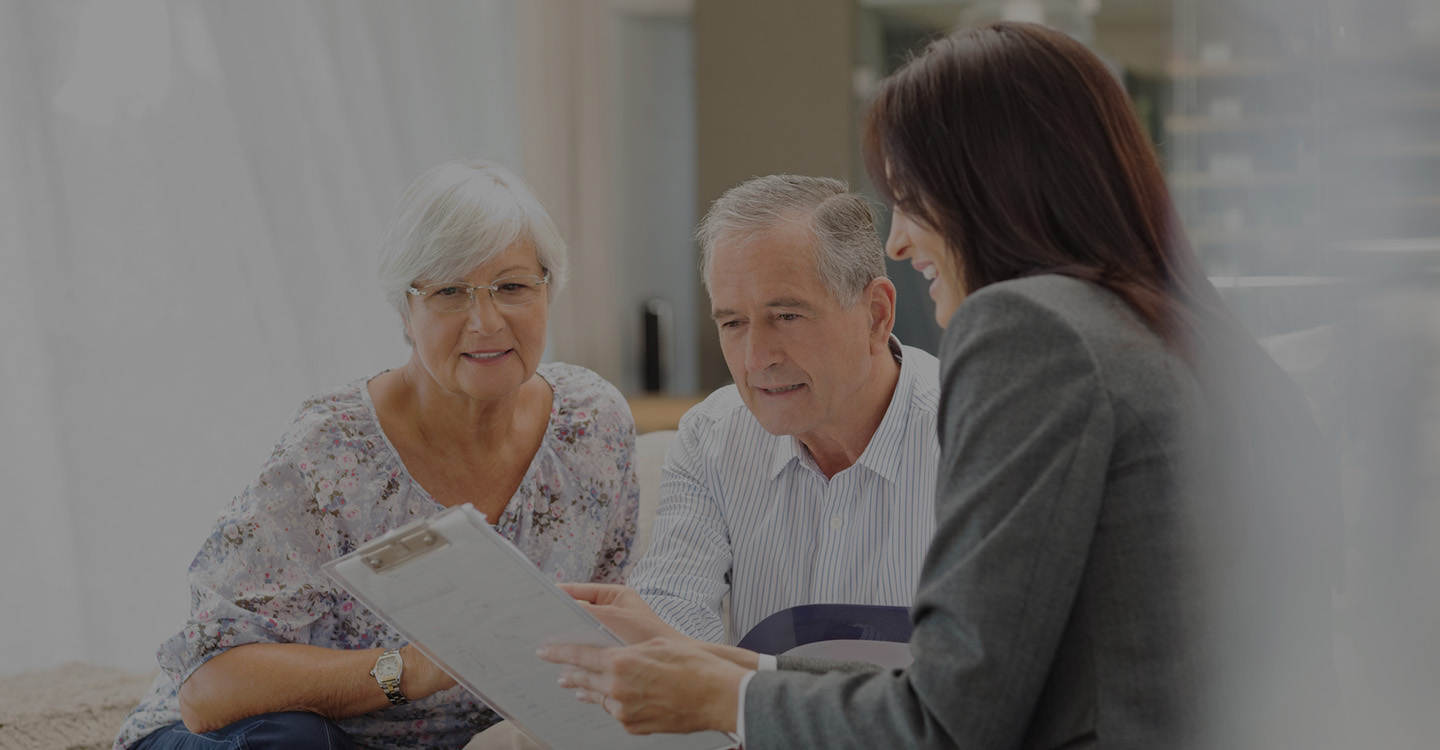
(832, 558)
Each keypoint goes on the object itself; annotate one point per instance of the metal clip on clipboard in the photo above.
(409, 545)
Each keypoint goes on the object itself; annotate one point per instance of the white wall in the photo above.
(656, 174)
(191, 196)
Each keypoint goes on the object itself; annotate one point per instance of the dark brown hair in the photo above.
(1018, 146)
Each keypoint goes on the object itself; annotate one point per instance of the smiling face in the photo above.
(911, 239)
(800, 360)
(485, 352)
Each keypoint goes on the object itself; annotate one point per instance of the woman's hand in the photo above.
(661, 685)
(621, 610)
(422, 677)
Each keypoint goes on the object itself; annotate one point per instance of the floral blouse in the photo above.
(334, 482)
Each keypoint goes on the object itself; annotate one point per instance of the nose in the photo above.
(761, 349)
(897, 244)
(485, 315)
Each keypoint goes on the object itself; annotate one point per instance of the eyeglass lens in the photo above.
(507, 292)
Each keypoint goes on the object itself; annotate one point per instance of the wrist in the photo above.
(744, 658)
(724, 700)
(422, 677)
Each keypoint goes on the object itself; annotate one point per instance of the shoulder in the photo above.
(337, 400)
(721, 423)
(1052, 300)
(341, 414)
(1049, 332)
(1045, 296)
(721, 410)
(579, 387)
(584, 400)
(923, 370)
(1058, 314)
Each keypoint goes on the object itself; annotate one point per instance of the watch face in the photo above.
(387, 668)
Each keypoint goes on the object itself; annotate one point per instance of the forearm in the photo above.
(262, 678)
(687, 614)
(683, 574)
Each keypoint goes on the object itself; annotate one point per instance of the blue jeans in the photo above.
(277, 731)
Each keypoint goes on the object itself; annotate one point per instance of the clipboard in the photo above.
(478, 608)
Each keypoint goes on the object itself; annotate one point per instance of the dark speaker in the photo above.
(655, 348)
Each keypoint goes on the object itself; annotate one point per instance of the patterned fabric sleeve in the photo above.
(257, 577)
(614, 559)
(605, 453)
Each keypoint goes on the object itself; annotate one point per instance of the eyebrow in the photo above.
(507, 271)
(784, 303)
(502, 273)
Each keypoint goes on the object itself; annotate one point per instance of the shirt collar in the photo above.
(882, 453)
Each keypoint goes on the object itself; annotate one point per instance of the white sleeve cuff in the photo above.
(768, 663)
(740, 708)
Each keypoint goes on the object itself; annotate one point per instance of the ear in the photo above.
(405, 325)
(879, 299)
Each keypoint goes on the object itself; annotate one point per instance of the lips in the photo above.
(780, 390)
(486, 356)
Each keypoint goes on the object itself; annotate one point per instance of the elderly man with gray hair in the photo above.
(811, 479)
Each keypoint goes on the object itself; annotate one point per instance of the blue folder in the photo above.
(812, 623)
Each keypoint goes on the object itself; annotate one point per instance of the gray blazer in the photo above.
(1058, 603)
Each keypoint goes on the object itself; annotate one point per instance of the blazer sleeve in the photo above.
(1026, 436)
(823, 666)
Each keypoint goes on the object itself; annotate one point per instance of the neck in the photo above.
(838, 449)
(453, 423)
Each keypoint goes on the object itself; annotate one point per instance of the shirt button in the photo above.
(836, 522)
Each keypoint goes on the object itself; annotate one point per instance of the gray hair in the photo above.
(848, 251)
(457, 216)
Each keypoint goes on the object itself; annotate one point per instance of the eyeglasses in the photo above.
(455, 296)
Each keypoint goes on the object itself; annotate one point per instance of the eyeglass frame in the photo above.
(491, 288)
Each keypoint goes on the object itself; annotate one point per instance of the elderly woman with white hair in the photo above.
(276, 655)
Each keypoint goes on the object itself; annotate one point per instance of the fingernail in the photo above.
(542, 652)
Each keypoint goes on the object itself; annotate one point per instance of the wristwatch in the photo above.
(387, 672)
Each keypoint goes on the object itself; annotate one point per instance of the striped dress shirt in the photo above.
(749, 514)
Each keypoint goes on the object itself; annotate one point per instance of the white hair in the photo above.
(848, 252)
(457, 216)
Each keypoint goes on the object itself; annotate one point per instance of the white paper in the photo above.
(479, 608)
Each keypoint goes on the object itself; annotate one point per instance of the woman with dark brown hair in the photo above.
(1124, 471)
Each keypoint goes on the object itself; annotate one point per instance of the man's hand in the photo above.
(621, 610)
(661, 685)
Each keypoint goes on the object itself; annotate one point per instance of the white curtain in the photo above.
(191, 195)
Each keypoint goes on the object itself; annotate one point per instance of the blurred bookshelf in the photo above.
(1241, 141)
(1302, 142)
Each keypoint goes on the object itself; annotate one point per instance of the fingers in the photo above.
(583, 681)
(591, 658)
(595, 593)
(661, 685)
